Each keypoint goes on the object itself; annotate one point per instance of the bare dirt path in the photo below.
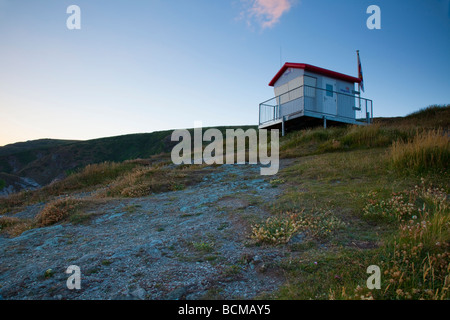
(187, 244)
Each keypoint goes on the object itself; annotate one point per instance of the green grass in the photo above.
(336, 179)
(201, 246)
(379, 135)
(372, 179)
(2, 184)
(319, 273)
(414, 260)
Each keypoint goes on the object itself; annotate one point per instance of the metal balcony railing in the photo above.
(319, 103)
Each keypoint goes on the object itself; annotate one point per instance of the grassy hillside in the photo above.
(19, 147)
(356, 196)
(364, 196)
(45, 164)
(381, 134)
(16, 155)
(45, 160)
(429, 117)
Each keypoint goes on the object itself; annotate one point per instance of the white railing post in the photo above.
(259, 119)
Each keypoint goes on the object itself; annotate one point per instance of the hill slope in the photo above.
(19, 147)
(45, 162)
(27, 165)
(345, 198)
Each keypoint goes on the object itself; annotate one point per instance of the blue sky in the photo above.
(142, 66)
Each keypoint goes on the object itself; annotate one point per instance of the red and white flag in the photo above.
(360, 73)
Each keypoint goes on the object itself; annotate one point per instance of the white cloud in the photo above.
(265, 12)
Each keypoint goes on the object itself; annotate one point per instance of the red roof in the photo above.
(314, 69)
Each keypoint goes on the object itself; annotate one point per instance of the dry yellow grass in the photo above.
(57, 210)
(427, 150)
(143, 181)
(13, 226)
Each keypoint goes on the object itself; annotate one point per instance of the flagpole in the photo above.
(359, 83)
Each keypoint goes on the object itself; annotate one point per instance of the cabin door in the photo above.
(329, 96)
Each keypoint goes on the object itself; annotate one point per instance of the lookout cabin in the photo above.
(307, 95)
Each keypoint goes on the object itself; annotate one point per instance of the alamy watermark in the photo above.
(257, 141)
(74, 281)
(73, 22)
(374, 281)
(374, 21)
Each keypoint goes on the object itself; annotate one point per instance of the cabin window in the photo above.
(329, 90)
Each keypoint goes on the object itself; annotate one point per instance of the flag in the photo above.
(360, 73)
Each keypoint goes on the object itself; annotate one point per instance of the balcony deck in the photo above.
(308, 102)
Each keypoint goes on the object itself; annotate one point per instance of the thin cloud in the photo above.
(266, 13)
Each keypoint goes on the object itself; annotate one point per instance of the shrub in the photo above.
(14, 226)
(57, 210)
(138, 183)
(276, 229)
(142, 182)
(8, 221)
(14, 200)
(397, 208)
(280, 229)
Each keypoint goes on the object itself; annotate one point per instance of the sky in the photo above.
(138, 66)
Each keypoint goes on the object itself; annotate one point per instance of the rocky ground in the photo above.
(188, 244)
